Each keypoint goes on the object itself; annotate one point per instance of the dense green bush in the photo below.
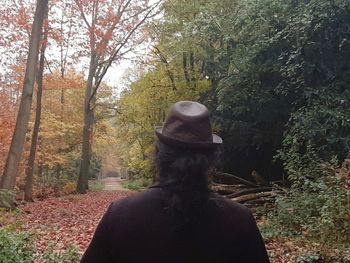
(317, 205)
(280, 72)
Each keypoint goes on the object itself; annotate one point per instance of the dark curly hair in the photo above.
(184, 172)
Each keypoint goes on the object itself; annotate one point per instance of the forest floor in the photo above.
(66, 221)
(71, 220)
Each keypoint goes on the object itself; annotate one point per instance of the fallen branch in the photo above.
(248, 197)
(225, 188)
(232, 179)
(249, 191)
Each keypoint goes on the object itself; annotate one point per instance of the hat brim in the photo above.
(182, 143)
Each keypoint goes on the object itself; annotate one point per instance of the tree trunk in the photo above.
(185, 67)
(82, 184)
(28, 190)
(8, 179)
(193, 75)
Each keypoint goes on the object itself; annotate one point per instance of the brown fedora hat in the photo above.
(188, 124)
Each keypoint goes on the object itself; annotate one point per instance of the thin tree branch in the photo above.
(168, 71)
(113, 56)
(82, 13)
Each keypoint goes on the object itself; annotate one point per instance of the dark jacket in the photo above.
(138, 229)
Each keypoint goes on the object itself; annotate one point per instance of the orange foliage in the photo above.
(61, 123)
(71, 81)
(7, 124)
(10, 90)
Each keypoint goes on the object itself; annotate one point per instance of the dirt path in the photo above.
(113, 184)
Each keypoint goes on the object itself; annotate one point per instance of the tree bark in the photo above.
(193, 75)
(185, 67)
(225, 188)
(226, 178)
(250, 191)
(82, 184)
(8, 179)
(28, 190)
(167, 69)
(250, 197)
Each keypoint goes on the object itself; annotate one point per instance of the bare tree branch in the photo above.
(168, 71)
(121, 45)
(82, 13)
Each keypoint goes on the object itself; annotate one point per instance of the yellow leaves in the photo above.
(52, 160)
(143, 107)
(69, 188)
(61, 121)
(104, 139)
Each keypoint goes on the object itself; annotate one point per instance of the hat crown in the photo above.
(188, 125)
(188, 121)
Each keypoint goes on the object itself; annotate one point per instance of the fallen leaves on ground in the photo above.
(66, 221)
(284, 249)
(71, 220)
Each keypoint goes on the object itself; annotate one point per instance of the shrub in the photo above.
(317, 206)
(137, 184)
(5, 196)
(69, 255)
(69, 188)
(15, 247)
(18, 247)
(95, 185)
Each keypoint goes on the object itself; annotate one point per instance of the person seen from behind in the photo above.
(178, 220)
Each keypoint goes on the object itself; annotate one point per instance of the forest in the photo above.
(84, 84)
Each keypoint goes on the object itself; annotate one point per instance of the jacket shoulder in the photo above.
(231, 210)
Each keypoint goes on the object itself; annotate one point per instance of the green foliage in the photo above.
(69, 255)
(95, 166)
(142, 108)
(95, 185)
(316, 134)
(5, 196)
(138, 184)
(278, 65)
(54, 182)
(280, 69)
(317, 206)
(18, 247)
(314, 215)
(15, 247)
